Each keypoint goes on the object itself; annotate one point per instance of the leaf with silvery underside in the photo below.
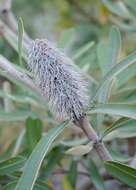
(80, 150)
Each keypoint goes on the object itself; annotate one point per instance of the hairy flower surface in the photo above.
(59, 80)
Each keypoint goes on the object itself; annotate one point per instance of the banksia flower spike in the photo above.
(59, 79)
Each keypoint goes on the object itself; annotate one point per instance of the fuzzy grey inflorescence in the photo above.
(59, 80)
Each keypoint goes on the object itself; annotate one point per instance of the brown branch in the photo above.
(92, 135)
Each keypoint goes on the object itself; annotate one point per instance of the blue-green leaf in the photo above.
(122, 172)
(32, 166)
(20, 38)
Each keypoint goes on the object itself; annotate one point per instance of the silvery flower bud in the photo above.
(59, 79)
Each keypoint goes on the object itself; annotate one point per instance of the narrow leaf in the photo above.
(108, 55)
(33, 132)
(66, 184)
(125, 110)
(95, 176)
(20, 39)
(119, 124)
(73, 173)
(114, 71)
(32, 166)
(80, 150)
(66, 38)
(83, 50)
(11, 165)
(122, 172)
(117, 8)
(54, 157)
(37, 186)
(17, 115)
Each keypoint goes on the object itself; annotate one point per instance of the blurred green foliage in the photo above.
(84, 30)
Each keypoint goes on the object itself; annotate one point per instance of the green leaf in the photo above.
(118, 156)
(125, 123)
(83, 50)
(11, 165)
(19, 142)
(108, 55)
(80, 150)
(122, 172)
(70, 143)
(117, 8)
(131, 4)
(73, 173)
(66, 184)
(113, 72)
(125, 76)
(12, 40)
(54, 157)
(95, 176)
(37, 186)
(17, 115)
(20, 38)
(66, 38)
(122, 129)
(32, 166)
(33, 132)
(125, 110)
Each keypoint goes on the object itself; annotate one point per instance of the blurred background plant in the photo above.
(84, 30)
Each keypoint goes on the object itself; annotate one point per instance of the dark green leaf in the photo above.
(11, 165)
(38, 186)
(73, 173)
(95, 176)
(20, 38)
(33, 132)
(54, 157)
(122, 172)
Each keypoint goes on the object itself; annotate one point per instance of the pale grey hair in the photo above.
(59, 79)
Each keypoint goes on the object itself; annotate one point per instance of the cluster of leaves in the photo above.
(33, 157)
